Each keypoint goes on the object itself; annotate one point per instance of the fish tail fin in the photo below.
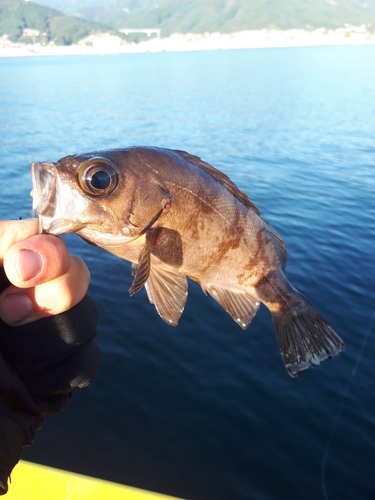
(305, 338)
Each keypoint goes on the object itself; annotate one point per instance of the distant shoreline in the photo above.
(177, 42)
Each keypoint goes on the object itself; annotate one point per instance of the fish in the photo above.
(173, 216)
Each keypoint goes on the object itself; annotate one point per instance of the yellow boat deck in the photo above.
(31, 481)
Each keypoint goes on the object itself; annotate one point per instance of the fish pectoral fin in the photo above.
(240, 305)
(168, 292)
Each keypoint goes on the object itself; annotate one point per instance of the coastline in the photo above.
(177, 42)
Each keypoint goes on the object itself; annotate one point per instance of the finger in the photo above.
(12, 231)
(36, 260)
(20, 306)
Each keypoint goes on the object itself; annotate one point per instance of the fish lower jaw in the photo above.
(56, 226)
(103, 239)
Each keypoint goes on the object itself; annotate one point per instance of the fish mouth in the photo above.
(43, 175)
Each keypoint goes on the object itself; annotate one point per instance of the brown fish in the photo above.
(173, 215)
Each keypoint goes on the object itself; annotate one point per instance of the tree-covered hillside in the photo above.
(28, 22)
(231, 15)
(183, 16)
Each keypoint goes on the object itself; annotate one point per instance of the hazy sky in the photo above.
(71, 6)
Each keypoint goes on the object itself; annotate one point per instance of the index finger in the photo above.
(12, 231)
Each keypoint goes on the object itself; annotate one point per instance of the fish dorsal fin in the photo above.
(278, 244)
(168, 292)
(240, 305)
(220, 177)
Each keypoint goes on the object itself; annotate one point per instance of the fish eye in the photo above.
(98, 176)
(100, 180)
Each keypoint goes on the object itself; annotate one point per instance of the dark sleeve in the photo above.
(41, 363)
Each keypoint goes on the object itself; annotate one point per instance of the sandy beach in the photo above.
(265, 38)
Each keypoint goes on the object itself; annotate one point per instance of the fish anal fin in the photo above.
(305, 338)
(168, 292)
(240, 305)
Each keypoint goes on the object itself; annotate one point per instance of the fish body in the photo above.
(173, 215)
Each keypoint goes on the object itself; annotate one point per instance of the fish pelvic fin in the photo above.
(141, 271)
(165, 289)
(240, 305)
(305, 338)
(168, 292)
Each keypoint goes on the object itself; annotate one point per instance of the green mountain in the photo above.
(18, 17)
(199, 16)
(171, 16)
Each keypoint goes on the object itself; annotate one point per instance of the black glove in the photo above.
(41, 363)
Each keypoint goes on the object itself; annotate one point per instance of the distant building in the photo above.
(148, 31)
(30, 32)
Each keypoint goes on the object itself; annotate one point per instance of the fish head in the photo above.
(107, 198)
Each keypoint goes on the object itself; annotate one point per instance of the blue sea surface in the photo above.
(205, 410)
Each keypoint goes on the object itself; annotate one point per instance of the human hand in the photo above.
(45, 279)
(41, 362)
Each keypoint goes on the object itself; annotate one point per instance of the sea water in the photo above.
(206, 410)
